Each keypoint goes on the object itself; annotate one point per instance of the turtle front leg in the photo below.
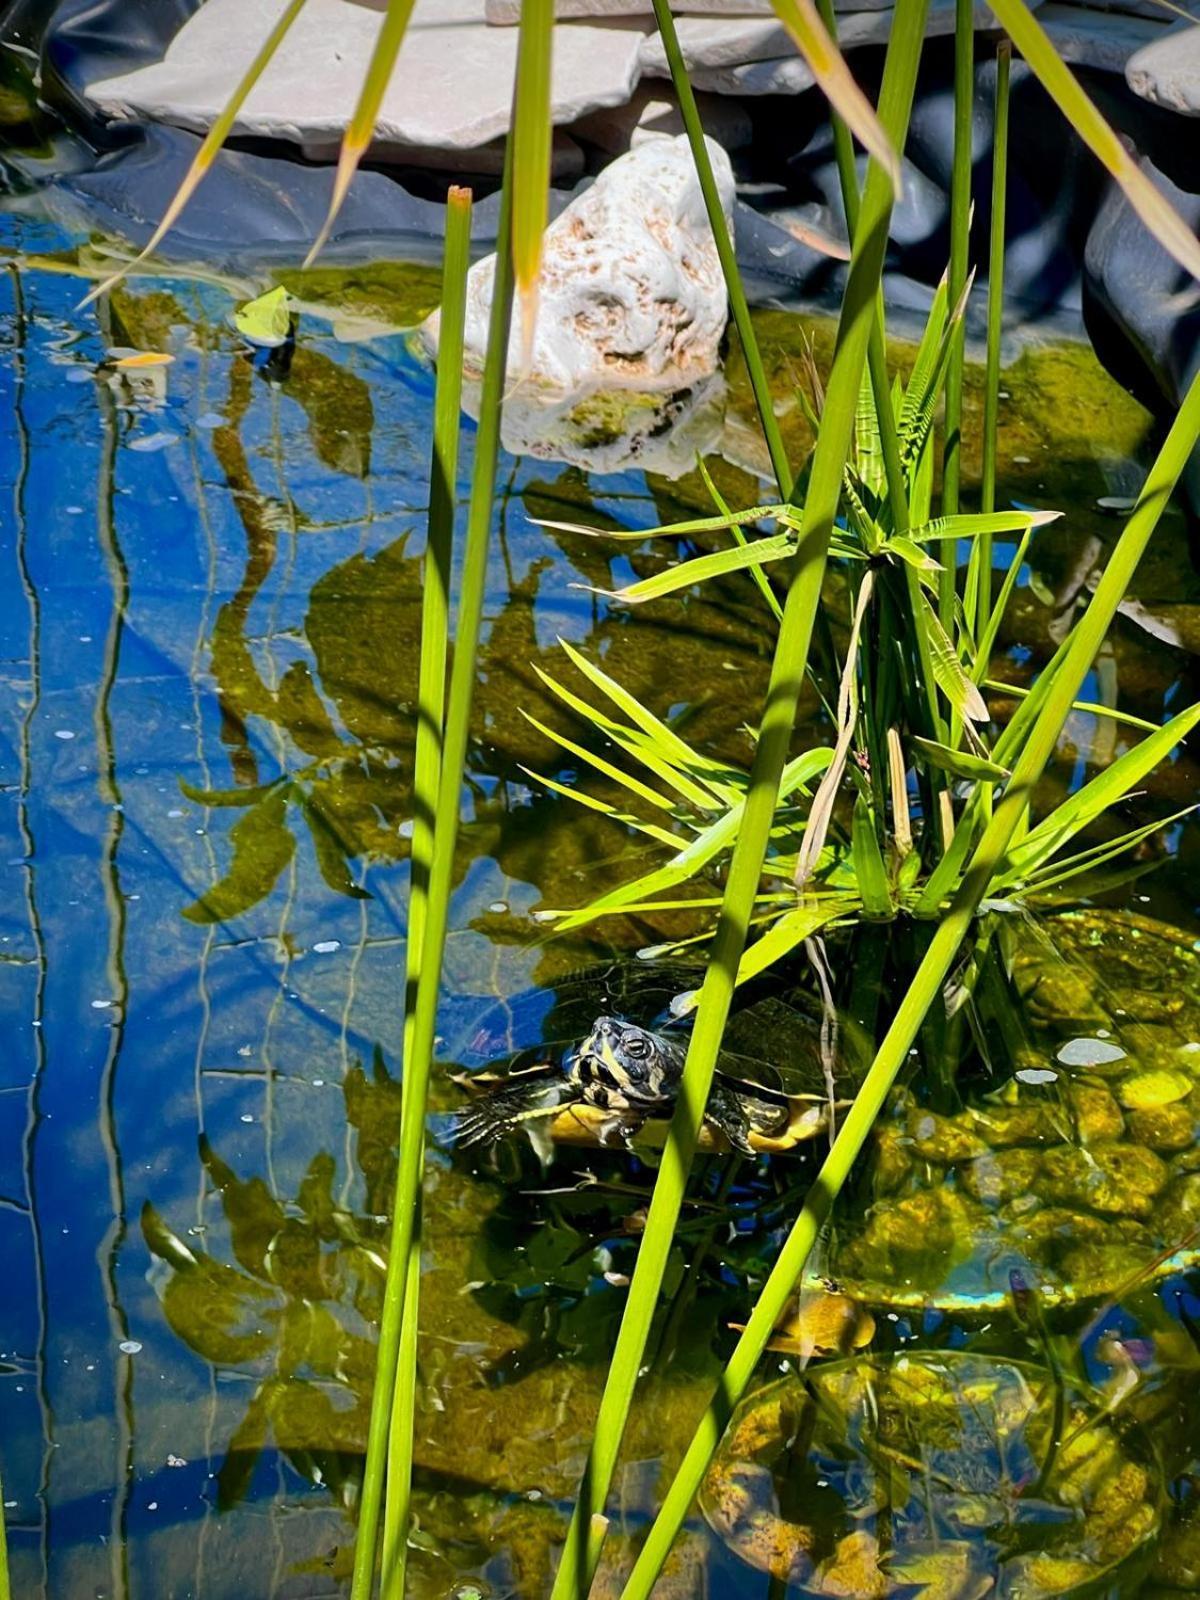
(727, 1115)
(501, 1111)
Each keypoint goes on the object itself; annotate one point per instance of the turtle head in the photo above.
(620, 1065)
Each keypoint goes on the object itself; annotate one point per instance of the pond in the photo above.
(210, 630)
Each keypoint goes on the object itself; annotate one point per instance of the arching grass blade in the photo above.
(828, 67)
(207, 153)
(360, 130)
(1159, 215)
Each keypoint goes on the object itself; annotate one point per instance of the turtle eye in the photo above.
(637, 1047)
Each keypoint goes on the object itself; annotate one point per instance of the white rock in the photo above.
(1102, 39)
(654, 113)
(452, 87)
(1168, 71)
(632, 295)
(613, 430)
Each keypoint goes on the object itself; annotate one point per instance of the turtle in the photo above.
(601, 1053)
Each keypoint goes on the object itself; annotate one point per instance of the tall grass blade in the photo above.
(1160, 217)
(581, 1552)
(213, 140)
(405, 1212)
(427, 761)
(532, 133)
(960, 238)
(995, 326)
(923, 992)
(360, 130)
(828, 67)
(725, 253)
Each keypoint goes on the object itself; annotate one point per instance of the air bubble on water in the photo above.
(1089, 1053)
(176, 1461)
(63, 733)
(498, 906)
(245, 1050)
(101, 1005)
(543, 916)
(175, 811)
(1036, 1075)
(152, 1506)
(318, 1083)
(129, 1347)
(246, 1117)
(326, 947)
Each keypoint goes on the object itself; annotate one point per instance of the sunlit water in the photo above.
(212, 587)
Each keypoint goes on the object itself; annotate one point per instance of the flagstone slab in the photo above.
(653, 113)
(1167, 71)
(505, 13)
(1104, 40)
(451, 90)
(756, 56)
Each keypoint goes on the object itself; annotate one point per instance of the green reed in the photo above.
(427, 765)
(581, 1552)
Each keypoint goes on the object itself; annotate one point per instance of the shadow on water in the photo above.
(209, 647)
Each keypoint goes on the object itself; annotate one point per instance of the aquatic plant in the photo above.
(908, 694)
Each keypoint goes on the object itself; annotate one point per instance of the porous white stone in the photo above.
(1104, 40)
(1168, 71)
(613, 430)
(632, 295)
(754, 56)
(653, 113)
(452, 87)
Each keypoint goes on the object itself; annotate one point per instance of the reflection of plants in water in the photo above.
(299, 1306)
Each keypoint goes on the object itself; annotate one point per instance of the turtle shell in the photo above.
(771, 1042)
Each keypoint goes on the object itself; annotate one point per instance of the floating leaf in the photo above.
(143, 359)
(267, 320)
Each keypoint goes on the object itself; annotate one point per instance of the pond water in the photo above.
(212, 584)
